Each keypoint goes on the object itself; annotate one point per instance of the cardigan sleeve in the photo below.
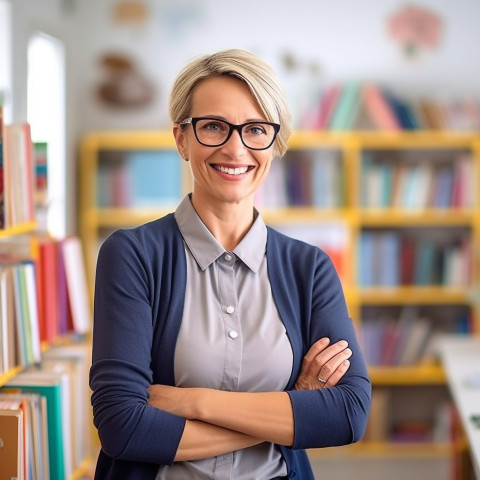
(338, 415)
(121, 372)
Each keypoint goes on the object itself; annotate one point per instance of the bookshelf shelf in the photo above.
(414, 294)
(389, 217)
(334, 164)
(21, 229)
(415, 375)
(386, 449)
(11, 373)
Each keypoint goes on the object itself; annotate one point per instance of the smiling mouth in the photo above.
(233, 171)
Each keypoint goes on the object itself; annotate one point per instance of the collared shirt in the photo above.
(231, 338)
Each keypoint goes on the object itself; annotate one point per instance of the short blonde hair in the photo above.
(259, 77)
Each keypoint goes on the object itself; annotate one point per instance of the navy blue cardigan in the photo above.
(139, 298)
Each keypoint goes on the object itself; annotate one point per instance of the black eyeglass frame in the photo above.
(232, 127)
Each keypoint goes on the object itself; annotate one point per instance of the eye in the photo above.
(213, 126)
(256, 129)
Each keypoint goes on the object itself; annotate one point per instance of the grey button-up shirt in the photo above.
(231, 338)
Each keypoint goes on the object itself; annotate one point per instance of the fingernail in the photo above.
(325, 340)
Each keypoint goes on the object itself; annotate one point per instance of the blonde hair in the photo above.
(259, 77)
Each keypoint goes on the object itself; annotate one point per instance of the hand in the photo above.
(323, 365)
(176, 400)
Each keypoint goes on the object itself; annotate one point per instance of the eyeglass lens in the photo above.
(213, 132)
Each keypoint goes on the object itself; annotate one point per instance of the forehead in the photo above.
(225, 93)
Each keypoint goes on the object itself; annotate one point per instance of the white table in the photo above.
(461, 359)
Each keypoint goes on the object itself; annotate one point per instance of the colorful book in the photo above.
(378, 108)
(76, 283)
(50, 386)
(12, 442)
(155, 178)
(327, 106)
(347, 107)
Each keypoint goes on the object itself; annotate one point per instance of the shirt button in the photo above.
(228, 257)
(230, 309)
(233, 334)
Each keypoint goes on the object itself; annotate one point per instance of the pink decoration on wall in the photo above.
(415, 28)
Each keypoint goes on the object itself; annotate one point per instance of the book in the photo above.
(35, 448)
(366, 257)
(327, 106)
(8, 352)
(47, 286)
(326, 179)
(387, 259)
(272, 193)
(78, 297)
(378, 421)
(418, 336)
(27, 291)
(12, 441)
(74, 360)
(41, 172)
(378, 108)
(50, 386)
(154, 178)
(425, 262)
(65, 321)
(18, 175)
(346, 110)
(2, 173)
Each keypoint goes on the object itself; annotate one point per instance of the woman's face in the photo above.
(231, 172)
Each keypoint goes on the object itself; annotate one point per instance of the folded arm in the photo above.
(220, 421)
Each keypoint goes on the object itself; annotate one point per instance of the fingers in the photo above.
(322, 359)
(324, 364)
(337, 374)
(333, 369)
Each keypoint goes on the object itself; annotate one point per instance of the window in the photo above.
(5, 60)
(46, 115)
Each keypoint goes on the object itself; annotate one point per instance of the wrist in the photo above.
(199, 405)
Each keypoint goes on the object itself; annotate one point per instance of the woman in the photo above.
(222, 349)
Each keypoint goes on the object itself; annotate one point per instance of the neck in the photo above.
(228, 222)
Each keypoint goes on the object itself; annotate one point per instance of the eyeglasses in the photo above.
(212, 132)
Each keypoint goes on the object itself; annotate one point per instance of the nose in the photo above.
(234, 145)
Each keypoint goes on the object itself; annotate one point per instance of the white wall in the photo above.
(346, 38)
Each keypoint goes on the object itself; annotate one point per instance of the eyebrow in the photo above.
(220, 117)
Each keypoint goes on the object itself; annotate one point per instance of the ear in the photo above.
(180, 140)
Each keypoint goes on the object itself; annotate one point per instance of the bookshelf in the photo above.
(34, 365)
(329, 198)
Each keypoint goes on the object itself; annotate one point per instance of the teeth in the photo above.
(231, 171)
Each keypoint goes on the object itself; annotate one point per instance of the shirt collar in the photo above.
(206, 249)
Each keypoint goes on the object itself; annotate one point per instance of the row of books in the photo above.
(44, 417)
(17, 177)
(42, 297)
(409, 338)
(420, 184)
(439, 425)
(365, 105)
(390, 258)
(139, 179)
(303, 178)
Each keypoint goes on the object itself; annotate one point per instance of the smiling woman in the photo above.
(221, 348)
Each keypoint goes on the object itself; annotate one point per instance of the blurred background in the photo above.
(92, 79)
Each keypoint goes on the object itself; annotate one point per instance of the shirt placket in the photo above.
(231, 322)
(233, 343)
